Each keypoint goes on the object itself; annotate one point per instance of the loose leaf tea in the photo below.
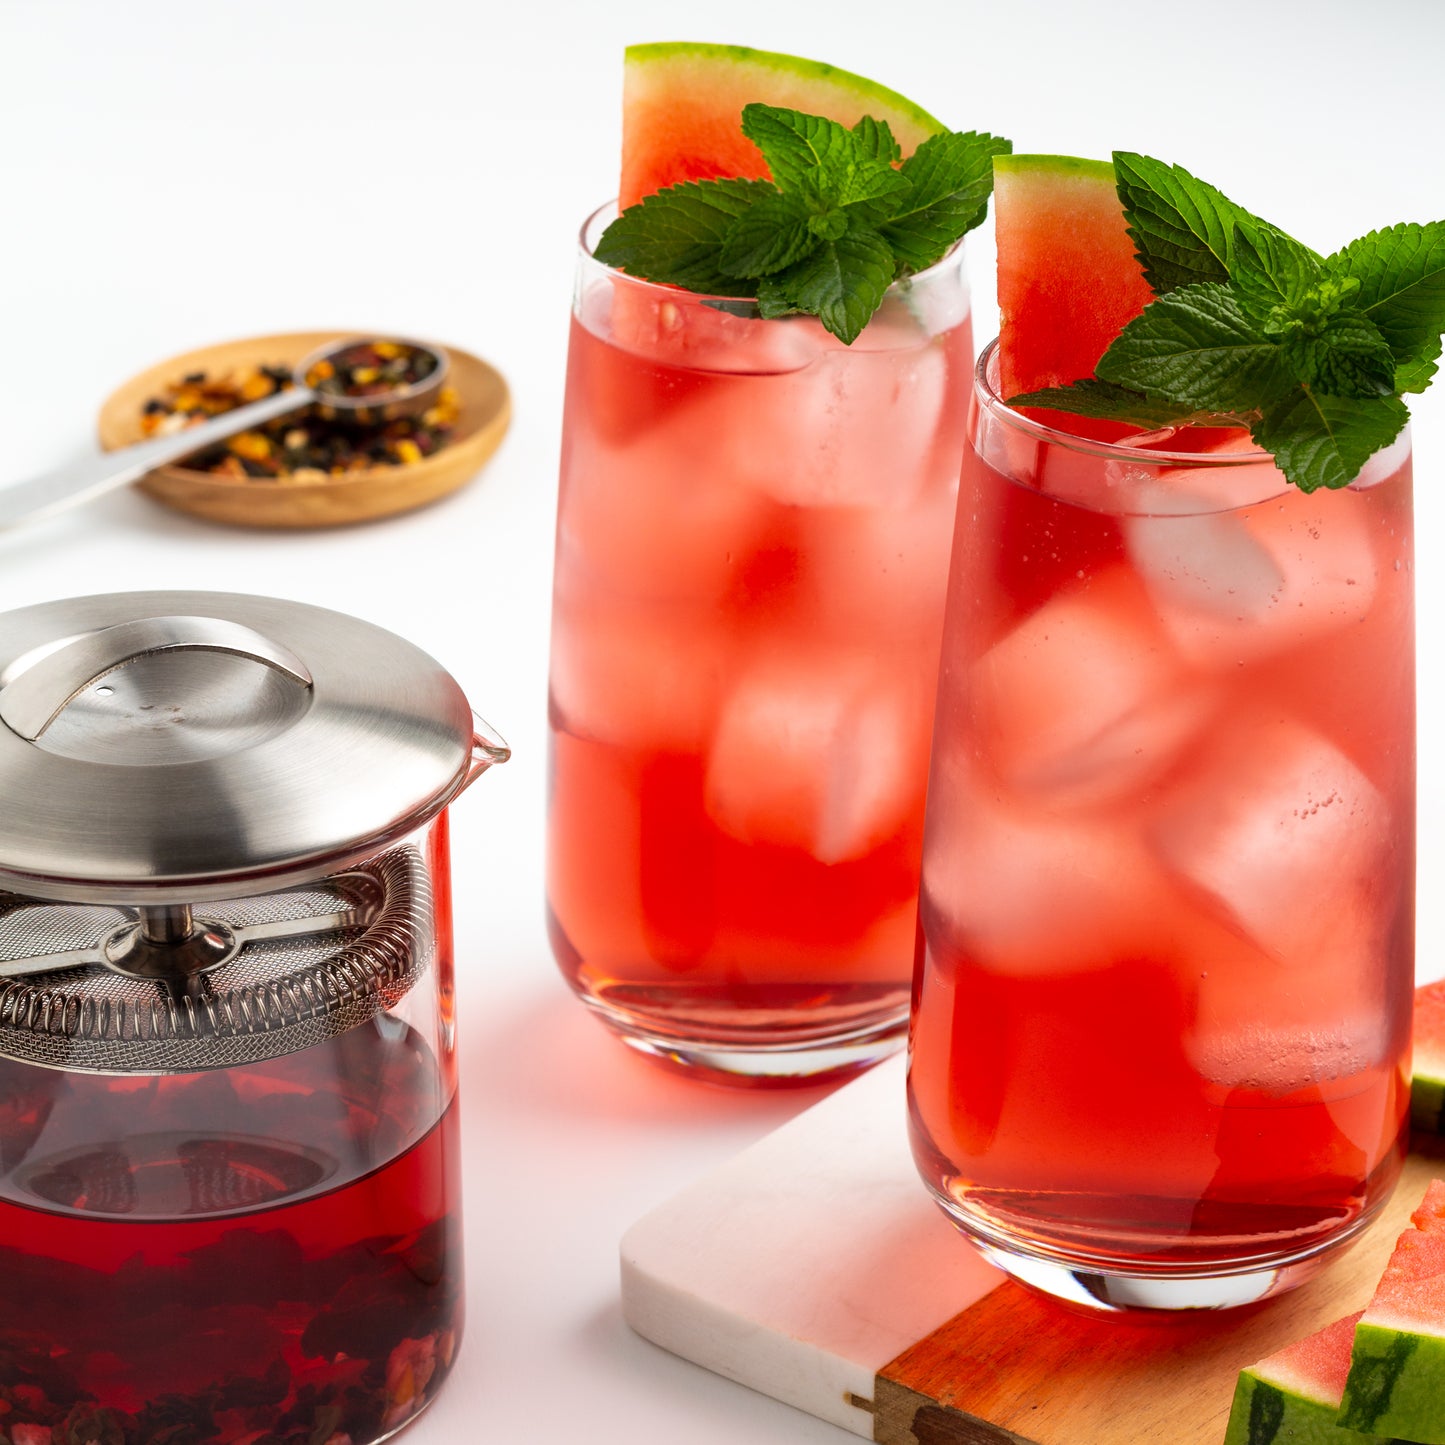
(308, 447)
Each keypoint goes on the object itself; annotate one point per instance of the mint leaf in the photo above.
(675, 236)
(855, 184)
(1182, 227)
(841, 283)
(1269, 270)
(1196, 347)
(1105, 401)
(952, 178)
(828, 167)
(1401, 271)
(1417, 373)
(1323, 441)
(877, 141)
(1340, 353)
(775, 300)
(794, 143)
(771, 234)
(1327, 341)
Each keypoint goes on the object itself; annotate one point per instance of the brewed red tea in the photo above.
(274, 1248)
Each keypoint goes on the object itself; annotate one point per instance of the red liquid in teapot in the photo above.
(263, 1255)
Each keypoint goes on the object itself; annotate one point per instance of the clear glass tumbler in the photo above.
(752, 547)
(1159, 1055)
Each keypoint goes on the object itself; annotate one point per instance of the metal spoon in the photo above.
(41, 496)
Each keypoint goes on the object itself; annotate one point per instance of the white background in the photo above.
(181, 173)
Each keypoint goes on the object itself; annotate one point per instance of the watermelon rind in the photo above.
(1396, 1384)
(1427, 1086)
(814, 71)
(1293, 1396)
(1055, 165)
(1427, 1099)
(1264, 1414)
(683, 103)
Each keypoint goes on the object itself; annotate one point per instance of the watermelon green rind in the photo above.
(1427, 1101)
(1427, 1087)
(1293, 1396)
(1396, 1384)
(1264, 1414)
(683, 103)
(1056, 165)
(857, 86)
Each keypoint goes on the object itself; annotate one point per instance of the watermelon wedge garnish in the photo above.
(1396, 1383)
(1293, 1397)
(1427, 1088)
(682, 106)
(1068, 278)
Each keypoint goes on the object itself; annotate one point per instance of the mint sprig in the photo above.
(841, 220)
(1249, 325)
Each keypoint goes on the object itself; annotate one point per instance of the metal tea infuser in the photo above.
(226, 1001)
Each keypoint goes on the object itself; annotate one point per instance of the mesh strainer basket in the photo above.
(304, 964)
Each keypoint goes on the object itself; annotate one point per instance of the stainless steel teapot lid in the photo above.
(181, 746)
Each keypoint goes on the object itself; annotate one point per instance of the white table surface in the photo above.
(177, 172)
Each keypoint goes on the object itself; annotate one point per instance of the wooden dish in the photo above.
(485, 410)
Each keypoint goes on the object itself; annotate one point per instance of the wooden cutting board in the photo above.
(813, 1267)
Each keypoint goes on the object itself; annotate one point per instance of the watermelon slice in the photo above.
(1294, 1395)
(1427, 1088)
(1068, 279)
(1396, 1384)
(682, 106)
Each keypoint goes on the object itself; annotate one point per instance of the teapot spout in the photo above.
(489, 748)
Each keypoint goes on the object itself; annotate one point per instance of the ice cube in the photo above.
(1384, 464)
(879, 573)
(856, 429)
(1297, 854)
(1085, 700)
(1274, 823)
(821, 750)
(656, 516)
(640, 675)
(1029, 892)
(1237, 585)
(1247, 1050)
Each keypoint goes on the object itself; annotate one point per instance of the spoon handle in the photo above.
(40, 496)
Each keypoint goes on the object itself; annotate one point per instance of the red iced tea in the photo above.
(1166, 921)
(270, 1251)
(752, 544)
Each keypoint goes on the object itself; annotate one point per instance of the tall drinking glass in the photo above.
(1160, 1047)
(752, 549)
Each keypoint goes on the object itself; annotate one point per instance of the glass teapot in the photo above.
(229, 1161)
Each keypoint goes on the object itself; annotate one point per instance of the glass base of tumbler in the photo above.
(769, 1031)
(775, 1058)
(1155, 1287)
